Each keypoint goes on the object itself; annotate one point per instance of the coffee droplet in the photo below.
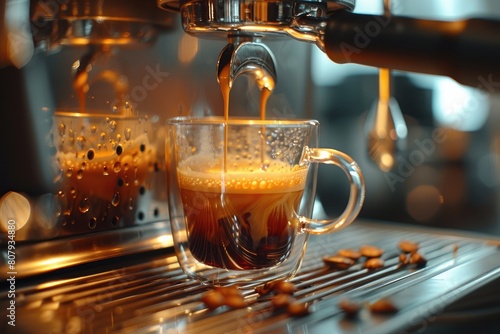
(71, 137)
(265, 165)
(93, 129)
(105, 171)
(103, 135)
(81, 141)
(79, 174)
(128, 133)
(119, 150)
(117, 167)
(62, 129)
(90, 154)
(112, 125)
(84, 205)
(92, 223)
(116, 199)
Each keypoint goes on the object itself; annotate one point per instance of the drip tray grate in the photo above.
(148, 293)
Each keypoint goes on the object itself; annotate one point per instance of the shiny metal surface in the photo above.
(111, 22)
(46, 256)
(150, 294)
(248, 57)
(303, 20)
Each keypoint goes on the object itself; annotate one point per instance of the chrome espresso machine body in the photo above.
(409, 90)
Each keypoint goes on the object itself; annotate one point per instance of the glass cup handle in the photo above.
(356, 194)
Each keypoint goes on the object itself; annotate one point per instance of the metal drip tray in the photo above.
(148, 293)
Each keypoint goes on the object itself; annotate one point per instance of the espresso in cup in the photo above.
(248, 221)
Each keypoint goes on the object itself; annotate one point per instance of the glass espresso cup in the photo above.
(241, 195)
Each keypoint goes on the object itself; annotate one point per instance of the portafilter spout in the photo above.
(247, 57)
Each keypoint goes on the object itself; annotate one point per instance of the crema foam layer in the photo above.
(276, 179)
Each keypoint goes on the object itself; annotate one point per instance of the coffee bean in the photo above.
(228, 290)
(298, 309)
(339, 262)
(263, 289)
(383, 306)
(403, 259)
(235, 301)
(418, 259)
(349, 307)
(349, 253)
(219, 296)
(276, 286)
(213, 299)
(370, 251)
(284, 287)
(407, 246)
(374, 263)
(281, 300)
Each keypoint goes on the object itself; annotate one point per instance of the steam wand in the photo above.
(386, 129)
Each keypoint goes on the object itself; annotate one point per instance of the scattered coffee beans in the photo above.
(235, 301)
(284, 287)
(349, 307)
(349, 253)
(407, 246)
(265, 288)
(374, 263)
(339, 262)
(281, 300)
(418, 259)
(213, 299)
(383, 306)
(230, 296)
(298, 309)
(277, 287)
(370, 251)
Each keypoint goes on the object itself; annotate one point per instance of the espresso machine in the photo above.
(397, 85)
